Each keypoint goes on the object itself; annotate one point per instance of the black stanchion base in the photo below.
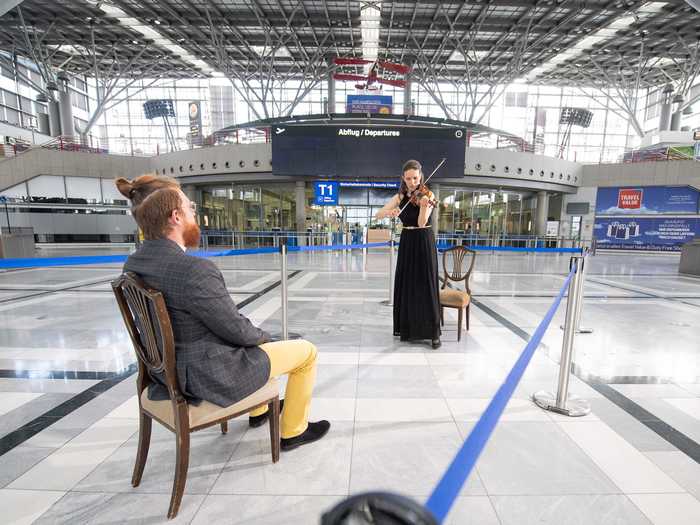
(380, 508)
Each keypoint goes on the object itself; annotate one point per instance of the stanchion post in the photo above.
(390, 301)
(581, 295)
(563, 402)
(391, 270)
(581, 270)
(283, 280)
(567, 346)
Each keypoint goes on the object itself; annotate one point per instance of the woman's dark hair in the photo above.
(410, 165)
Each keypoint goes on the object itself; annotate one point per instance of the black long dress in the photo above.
(416, 288)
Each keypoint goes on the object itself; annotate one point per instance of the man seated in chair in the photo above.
(221, 356)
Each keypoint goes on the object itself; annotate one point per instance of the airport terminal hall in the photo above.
(350, 262)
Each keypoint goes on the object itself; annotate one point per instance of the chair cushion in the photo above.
(207, 412)
(454, 298)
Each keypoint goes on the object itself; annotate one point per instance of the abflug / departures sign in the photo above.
(368, 132)
(363, 152)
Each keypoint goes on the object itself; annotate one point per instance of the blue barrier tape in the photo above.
(335, 247)
(448, 488)
(443, 247)
(249, 251)
(39, 262)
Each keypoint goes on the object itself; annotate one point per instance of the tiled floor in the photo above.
(399, 411)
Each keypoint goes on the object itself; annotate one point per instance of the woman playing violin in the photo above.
(416, 289)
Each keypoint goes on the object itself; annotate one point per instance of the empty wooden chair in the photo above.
(148, 324)
(455, 258)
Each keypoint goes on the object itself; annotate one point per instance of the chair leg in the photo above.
(182, 445)
(145, 424)
(468, 317)
(224, 427)
(442, 316)
(459, 325)
(274, 409)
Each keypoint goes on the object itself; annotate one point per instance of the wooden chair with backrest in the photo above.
(148, 324)
(455, 258)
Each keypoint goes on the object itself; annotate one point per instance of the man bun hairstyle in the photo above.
(154, 212)
(141, 187)
(153, 199)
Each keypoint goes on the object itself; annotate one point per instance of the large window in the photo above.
(484, 213)
(267, 207)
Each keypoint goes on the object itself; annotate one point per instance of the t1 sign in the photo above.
(326, 193)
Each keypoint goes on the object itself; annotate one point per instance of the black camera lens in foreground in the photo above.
(380, 508)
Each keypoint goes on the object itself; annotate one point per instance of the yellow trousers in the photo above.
(298, 359)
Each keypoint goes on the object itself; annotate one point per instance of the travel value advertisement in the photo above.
(369, 104)
(643, 233)
(647, 200)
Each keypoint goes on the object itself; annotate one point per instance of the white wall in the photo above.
(584, 194)
(241, 158)
(522, 166)
(42, 161)
(669, 173)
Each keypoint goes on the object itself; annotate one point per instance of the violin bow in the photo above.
(425, 182)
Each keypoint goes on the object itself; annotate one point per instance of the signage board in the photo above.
(645, 233)
(369, 104)
(377, 184)
(326, 193)
(195, 113)
(365, 152)
(647, 200)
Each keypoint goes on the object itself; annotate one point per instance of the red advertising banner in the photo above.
(629, 199)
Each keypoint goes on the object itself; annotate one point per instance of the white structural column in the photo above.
(542, 211)
(300, 200)
(407, 108)
(66, 112)
(54, 119)
(331, 93)
(665, 113)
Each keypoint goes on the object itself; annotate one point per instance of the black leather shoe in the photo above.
(314, 432)
(436, 343)
(396, 333)
(257, 421)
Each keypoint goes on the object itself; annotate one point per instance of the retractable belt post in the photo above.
(563, 402)
(581, 294)
(390, 301)
(283, 282)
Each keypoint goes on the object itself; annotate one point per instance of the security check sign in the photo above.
(326, 193)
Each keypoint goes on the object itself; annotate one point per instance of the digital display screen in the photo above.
(365, 151)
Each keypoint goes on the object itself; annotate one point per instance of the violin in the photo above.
(423, 191)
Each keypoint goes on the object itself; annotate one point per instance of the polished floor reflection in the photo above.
(399, 410)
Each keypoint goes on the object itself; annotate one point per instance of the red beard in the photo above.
(191, 235)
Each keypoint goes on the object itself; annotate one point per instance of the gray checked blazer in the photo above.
(216, 350)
